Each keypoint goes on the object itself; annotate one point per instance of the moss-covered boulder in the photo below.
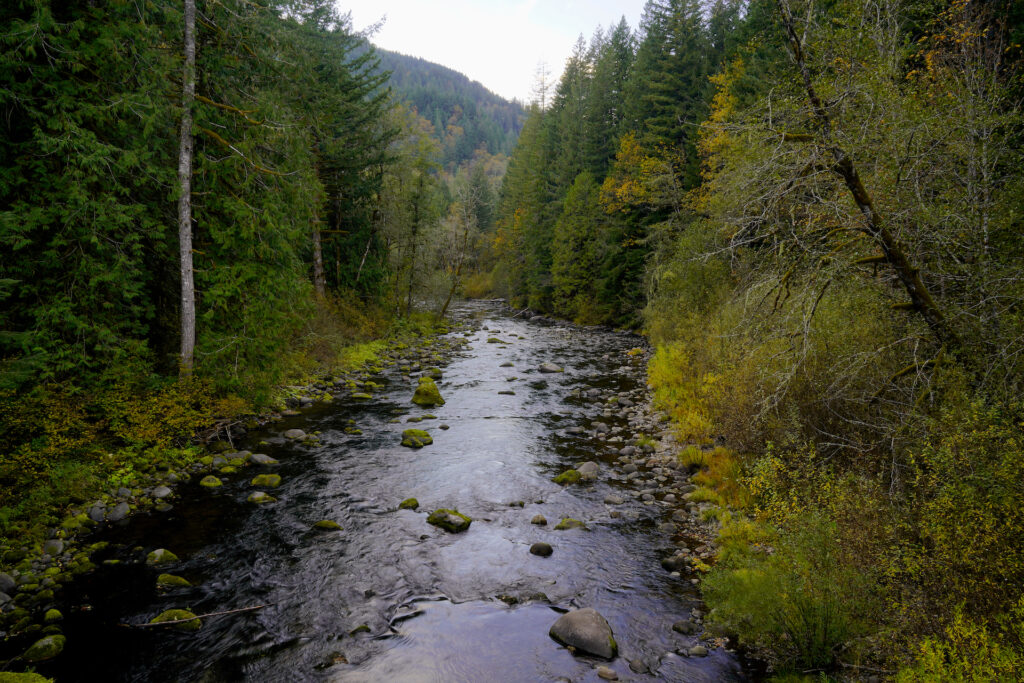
(569, 523)
(361, 396)
(261, 498)
(172, 581)
(187, 620)
(427, 393)
(44, 648)
(269, 480)
(52, 616)
(161, 556)
(416, 438)
(433, 373)
(327, 525)
(10, 677)
(452, 521)
(210, 482)
(566, 478)
(409, 504)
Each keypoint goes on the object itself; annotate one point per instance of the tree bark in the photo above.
(874, 225)
(319, 281)
(188, 293)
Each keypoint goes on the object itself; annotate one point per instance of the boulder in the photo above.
(295, 434)
(427, 393)
(44, 648)
(566, 478)
(686, 627)
(119, 512)
(171, 581)
(589, 471)
(409, 504)
(192, 624)
(268, 480)
(613, 499)
(569, 523)
(416, 438)
(539, 520)
(210, 482)
(54, 546)
(327, 525)
(550, 368)
(161, 492)
(262, 459)
(261, 498)
(433, 373)
(541, 549)
(161, 556)
(452, 521)
(586, 631)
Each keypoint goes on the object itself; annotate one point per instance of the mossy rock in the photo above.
(362, 628)
(193, 623)
(495, 340)
(161, 556)
(9, 677)
(229, 469)
(261, 498)
(416, 438)
(433, 373)
(569, 523)
(45, 648)
(210, 482)
(452, 521)
(206, 460)
(270, 480)
(172, 581)
(327, 525)
(568, 477)
(362, 396)
(427, 393)
(52, 616)
(409, 504)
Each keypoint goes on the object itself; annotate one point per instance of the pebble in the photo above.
(607, 673)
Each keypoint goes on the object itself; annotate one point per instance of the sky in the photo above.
(500, 43)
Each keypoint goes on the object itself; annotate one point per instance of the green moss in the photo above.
(409, 504)
(433, 373)
(269, 480)
(569, 523)
(416, 438)
(452, 521)
(362, 396)
(176, 615)
(261, 498)
(8, 677)
(45, 648)
(327, 525)
(161, 556)
(172, 581)
(566, 478)
(362, 628)
(210, 482)
(427, 393)
(52, 616)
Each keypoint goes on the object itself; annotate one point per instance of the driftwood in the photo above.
(198, 616)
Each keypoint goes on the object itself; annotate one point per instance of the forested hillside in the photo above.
(465, 115)
(814, 209)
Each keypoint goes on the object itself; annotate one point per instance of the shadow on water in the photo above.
(390, 598)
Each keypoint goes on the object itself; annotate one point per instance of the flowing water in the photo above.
(474, 606)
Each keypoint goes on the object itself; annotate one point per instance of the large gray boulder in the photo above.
(589, 470)
(586, 631)
(549, 368)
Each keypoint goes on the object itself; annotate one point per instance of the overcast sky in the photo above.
(497, 42)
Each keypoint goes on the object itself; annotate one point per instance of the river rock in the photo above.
(172, 581)
(98, 512)
(327, 525)
(539, 520)
(451, 521)
(433, 373)
(119, 512)
(613, 499)
(175, 615)
(427, 393)
(268, 480)
(686, 627)
(54, 546)
(409, 504)
(161, 556)
(587, 631)
(295, 434)
(262, 459)
(161, 492)
(541, 549)
(210, 482)
(566, 478)
(44, 648)
(261, 498)
(697, 651)
(7, 583)
(569, 523)
(589, 470)
(549, 368)
(416, 438)
(607, 673)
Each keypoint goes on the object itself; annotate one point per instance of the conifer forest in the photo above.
(797, 225)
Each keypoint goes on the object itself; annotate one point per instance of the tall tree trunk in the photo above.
(188, 292)
(319, 281)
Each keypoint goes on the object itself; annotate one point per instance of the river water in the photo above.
(443, 607)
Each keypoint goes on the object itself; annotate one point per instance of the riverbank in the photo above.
(130, 459)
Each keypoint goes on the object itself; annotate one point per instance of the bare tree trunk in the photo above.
(188, 292)
(319, 282)
(366, 252)
(874, 225)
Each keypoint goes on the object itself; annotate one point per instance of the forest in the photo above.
(812, 209)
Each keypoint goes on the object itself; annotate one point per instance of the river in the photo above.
(389, 597)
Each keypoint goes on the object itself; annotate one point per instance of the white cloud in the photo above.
(497, 42)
